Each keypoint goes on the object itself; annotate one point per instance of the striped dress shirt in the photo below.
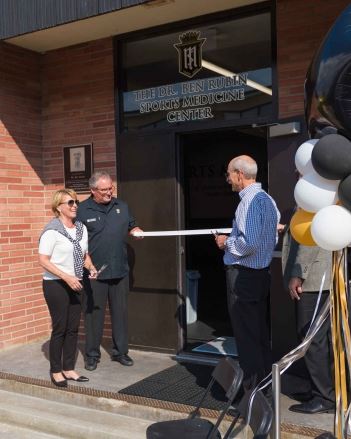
(254, 234)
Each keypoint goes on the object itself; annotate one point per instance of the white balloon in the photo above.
(303, 161)
(313, 192)
(331, 228)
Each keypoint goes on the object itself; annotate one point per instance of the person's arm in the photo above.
(136, 229)
(221, 241)
(306, 256)
(249, 223)
(132, 227)
(72, 281)
(46, 248)
(281, 228)
(295, 287)
(88, 264)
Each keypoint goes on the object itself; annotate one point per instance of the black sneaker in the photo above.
(124, 359)
(91, 363)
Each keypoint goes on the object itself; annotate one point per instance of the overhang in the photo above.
(145, 15)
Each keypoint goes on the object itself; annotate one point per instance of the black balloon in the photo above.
(331, 157)
(327, 86)
(344, 192)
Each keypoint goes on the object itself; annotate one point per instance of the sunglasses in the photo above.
(71, 203)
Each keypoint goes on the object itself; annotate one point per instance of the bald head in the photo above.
(246, 165)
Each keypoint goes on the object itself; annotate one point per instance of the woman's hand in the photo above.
(88, 264)
(73, 282)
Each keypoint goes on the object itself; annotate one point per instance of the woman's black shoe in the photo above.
(81, 379)
(58, 383)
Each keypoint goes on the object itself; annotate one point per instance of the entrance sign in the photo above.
(78, 167)
(188, 101)
(221, 71)
(190, 53)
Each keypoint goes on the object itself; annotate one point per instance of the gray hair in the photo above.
(246, 165)
(93, 180)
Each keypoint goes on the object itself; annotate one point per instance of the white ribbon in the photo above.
(183, 232)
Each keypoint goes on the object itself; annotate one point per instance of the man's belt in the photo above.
(242, 267)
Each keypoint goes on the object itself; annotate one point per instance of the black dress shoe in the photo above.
(124, 359)
(91, 363)
(62, 383)
(81, 379)
(326, 435)
(314, 405)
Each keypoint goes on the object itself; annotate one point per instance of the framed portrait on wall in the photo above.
(78, 166)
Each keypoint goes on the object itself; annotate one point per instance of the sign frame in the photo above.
(78, 167)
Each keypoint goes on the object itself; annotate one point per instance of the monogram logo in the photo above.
(190, 53)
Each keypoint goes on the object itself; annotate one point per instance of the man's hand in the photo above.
(295, 287)
(136, 229)
(281, 228)
(220, 241)
(92, 272)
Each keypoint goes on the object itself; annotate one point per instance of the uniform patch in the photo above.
(118, 211)
(90, 220)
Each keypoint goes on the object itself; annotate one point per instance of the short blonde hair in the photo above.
(57, 199)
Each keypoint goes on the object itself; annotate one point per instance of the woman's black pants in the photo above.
(65, 308)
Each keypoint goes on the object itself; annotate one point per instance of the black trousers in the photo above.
(319, 357)
(97, 292)
(248, 296)
(65, 308)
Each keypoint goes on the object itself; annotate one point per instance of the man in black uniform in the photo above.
(108, 221)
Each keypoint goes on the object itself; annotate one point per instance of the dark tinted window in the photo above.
(220, 71)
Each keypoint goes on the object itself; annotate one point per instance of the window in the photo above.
(219, 71)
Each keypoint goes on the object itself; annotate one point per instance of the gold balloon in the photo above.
(300, 227)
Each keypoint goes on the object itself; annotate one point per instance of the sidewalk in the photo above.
(31, 361)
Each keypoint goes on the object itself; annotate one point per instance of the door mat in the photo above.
(219, 346)
(182, 383)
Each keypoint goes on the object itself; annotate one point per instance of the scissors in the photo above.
(102, 268)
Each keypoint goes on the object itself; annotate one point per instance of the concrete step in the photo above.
(14, 432)
(67, 420)
(44, 409)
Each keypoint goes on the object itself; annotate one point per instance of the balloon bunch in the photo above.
(323, 218)
(323, 193)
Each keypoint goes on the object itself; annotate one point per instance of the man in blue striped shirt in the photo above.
(248, 253)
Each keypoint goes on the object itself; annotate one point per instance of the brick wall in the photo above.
(78, 108)
(46, 102)
(301, 26)
(23, 315)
